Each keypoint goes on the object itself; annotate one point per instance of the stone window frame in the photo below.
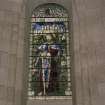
(30, 5)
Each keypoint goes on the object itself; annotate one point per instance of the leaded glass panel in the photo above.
(49, 57)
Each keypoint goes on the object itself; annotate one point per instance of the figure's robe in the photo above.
(50, 67)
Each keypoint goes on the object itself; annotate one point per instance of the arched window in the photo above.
(49, 57)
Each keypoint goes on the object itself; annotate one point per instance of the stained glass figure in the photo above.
(49, 58)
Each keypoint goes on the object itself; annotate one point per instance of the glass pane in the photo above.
(49, 58)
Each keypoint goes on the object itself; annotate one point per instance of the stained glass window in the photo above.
(49, 56)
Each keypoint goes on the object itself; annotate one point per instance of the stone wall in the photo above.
(89, 50)
(11, 51)
(88, 44)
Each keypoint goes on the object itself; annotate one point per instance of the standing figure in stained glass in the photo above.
(49, 55)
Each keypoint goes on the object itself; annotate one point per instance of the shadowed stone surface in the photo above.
(88, 28)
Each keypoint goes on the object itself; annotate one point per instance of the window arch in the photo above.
(49, 56)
